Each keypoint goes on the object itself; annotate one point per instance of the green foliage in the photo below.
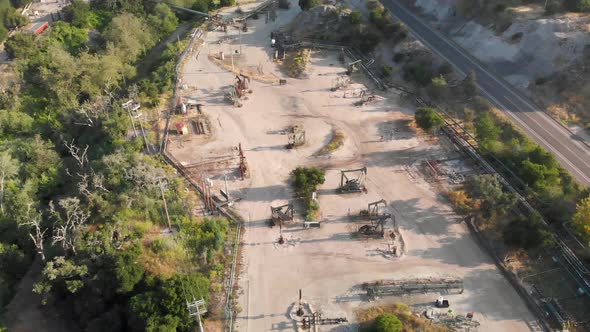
(163, 20)
(387, 323)
(420, 72)
(20, 45)
(308, 4)
(80, 15)
(439, 82)
(14, 19)
(128, 36)
(164, 309)
(527, 232)
(469, 84)
(63, 92)
(128, 273)
(306, 180)
(72, 38)
(581, 219)
(488, 189)
(486, 129)
(427, 118)
(313, 209)
(366, 41)
(355, 17)
(387, 70)
(577, 5)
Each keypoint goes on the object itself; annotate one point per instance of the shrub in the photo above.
(367, 41)
(313, 209)
(308, 4)
(445, 69)
(526, 232)
(427, 118)
(387, 323)
(355, 17)
(577, 5)
(387, 70)
(461, 202)
(398, 57)
(552, 7)
(306, 179)
(420, 73)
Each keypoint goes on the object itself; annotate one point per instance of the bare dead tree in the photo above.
(98, 182)
(83, 185)
(80, 155)
(36, 231)
(68, 222)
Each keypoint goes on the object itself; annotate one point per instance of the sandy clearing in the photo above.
(327, 263)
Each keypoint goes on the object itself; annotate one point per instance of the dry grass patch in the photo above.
(297, 63)
(336, 141)
(411, 322)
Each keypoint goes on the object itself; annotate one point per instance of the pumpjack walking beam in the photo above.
(348, 184)
(281, 213)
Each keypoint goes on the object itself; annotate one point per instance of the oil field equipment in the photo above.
(376, 210)
(413, 286)
(349, 184)
(280, 214)
(353, 67)
(296, 137)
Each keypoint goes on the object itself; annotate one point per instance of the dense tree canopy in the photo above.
(77, 195)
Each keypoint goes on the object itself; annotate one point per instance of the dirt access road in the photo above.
(328, 263)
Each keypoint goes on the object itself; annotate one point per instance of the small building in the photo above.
(38, 27)
(181, 128)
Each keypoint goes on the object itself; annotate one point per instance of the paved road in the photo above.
(571, 153)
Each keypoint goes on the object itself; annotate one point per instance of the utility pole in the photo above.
(197, 308)
(161, 185)
(127, 106)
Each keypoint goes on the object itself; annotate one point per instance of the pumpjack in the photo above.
(280, 214)
(296, 137)
(349, 184)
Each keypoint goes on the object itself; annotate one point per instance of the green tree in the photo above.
(527, 232)
(581, 219)
(14, 19)
(486, 129)
(8, 169)
(128, 36)
(387, 323)
(494, 200)
(21, 45)
(127, 271)
(355, 17)
(469, 84)
(308, 4)
(427, 118)
(70, 37)
(439, 82)
(577, 5)
(306, 180)
(163, 20)
(78, 13)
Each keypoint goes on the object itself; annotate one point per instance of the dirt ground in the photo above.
(329, 263)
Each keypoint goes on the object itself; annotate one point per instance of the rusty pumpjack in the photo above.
(365, 98)
(239, 90)
(280, 214)
(296, 137)
(242, 85)
(353, 185)
(377, 216)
